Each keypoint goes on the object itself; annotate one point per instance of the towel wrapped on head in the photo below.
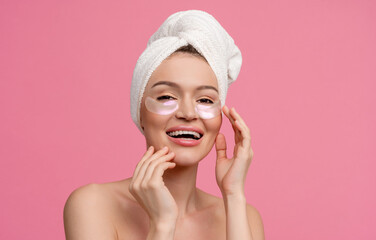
(205, 34)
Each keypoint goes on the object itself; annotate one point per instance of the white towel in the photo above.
(205, 34)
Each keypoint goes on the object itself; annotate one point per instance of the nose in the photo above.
(186, 110)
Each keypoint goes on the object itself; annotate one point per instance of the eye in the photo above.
(165, 97)
(205, 101)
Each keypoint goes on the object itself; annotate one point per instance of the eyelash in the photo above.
(206, 101)
(165, 97)
(168, 97)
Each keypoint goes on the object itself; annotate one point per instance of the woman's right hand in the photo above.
(149, 190)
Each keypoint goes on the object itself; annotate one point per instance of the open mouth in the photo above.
(187, 135)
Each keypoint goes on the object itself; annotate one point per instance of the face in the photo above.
(188, 82)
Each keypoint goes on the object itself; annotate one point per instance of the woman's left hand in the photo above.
(231, 173)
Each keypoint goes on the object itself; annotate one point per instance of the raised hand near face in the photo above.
(231, 173)
(149, 190)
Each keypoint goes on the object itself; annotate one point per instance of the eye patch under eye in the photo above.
(208, 111)
(205, 111)
(161, 108)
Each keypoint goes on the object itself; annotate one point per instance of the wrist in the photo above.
(232, 189)
(236, 197)
(233, 193)
(235, 203)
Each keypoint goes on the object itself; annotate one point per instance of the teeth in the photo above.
(177, 133)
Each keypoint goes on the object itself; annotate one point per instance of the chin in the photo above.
(185, 156)
(186, 160)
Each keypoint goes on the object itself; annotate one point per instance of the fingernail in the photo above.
(165, 148)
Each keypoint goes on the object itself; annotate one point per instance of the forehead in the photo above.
(186, 70)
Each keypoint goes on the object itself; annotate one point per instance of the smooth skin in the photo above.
(161, 200)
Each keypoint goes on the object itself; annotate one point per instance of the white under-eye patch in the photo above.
(161, 108)
(205, 111)
(208, 111)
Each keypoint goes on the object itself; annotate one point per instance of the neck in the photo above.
(181, 182)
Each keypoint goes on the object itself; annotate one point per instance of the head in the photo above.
(186, 78)
(191, 59)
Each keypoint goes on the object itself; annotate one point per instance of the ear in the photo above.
(141, 124)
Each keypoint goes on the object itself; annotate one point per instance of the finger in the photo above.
(245, 130)
(159, 171)
(146, 163)
(226, 111)
(147, 154)
(238, 136)
(236, 116)
(246, 138)
(156, 155)
(245, 133)
(153, 164)
(220, 146)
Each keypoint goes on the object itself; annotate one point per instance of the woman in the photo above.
(177, 95)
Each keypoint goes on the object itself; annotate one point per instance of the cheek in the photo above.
(214, 125)
(154, 127)
(149, 120)
(153, 122)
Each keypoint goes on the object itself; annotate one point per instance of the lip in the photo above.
(185, 142)
(185, 128)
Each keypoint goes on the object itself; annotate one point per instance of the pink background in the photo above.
(306, 90)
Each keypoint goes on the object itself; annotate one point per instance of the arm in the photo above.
(85, 216)
(242, 220)
(237, 225)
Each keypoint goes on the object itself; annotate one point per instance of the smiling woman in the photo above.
(189, 88)
(177, 104)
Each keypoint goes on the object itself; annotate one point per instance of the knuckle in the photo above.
(154, 185)
(144, 186)
(136, 187)
(147, 162)
(152, 164)
(161, 167)
(140, 163)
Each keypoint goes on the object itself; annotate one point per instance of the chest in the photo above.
(208, 226)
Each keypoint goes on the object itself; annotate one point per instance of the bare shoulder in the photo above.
(255, 222)
(88, 212)
(87, 196)
(90, 192)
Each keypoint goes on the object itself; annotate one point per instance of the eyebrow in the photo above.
(174, 85)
